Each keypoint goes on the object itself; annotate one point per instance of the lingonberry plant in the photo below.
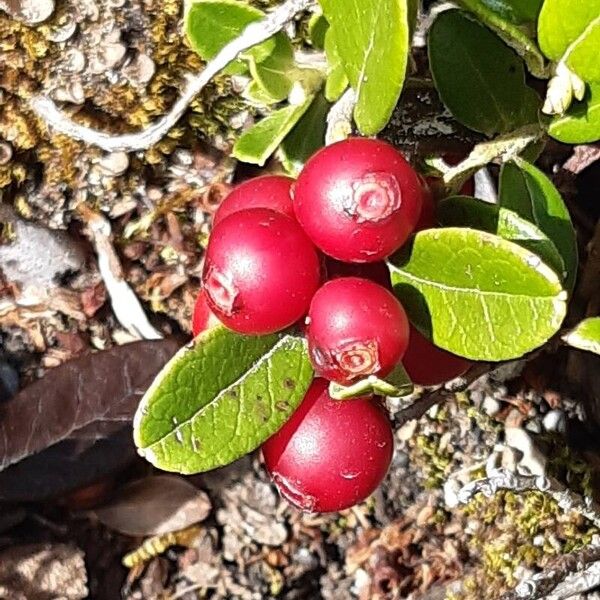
(364, 265)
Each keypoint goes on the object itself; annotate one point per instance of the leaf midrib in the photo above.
(239, 380)
(474, 291)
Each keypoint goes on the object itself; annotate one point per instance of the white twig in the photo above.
(125, 304)
(504, 479)
(255, 33)
(339, 118)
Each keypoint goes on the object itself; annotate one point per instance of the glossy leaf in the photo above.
(569, 32)
(581, 123)
(220, 398)
(519, 12)
(477, 295)
(586, 336)
(465, 211)
(337, 82)
(155, 505)
(306, 137)
(261, 140)
(506, 19)
(273, 73)
(479, 78)
(211, 24)
(317, 29)
(372, 41)
(527, 191)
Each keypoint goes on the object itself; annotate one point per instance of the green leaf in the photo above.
(397, 385)
(337, 82)
(528, 192)
(581, 124)
(257, 95)
(273, 73)
(219, 398)
(479, 78)
(211, 24)
(261, 140)
(586, 336)
(317, 28)
(465, 211)
(306, 137)
(569, 32)
(372, 40)
(476, 295)
(519, 12)
(505, 19)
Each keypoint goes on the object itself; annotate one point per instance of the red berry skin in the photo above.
(376, 271)
(266, 191)
(331, 454)
(203, 318)
(356, 328)
(427, 217)
(358, 199)
(426, 364)
(260, 271)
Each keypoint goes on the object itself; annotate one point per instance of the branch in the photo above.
(255, 33)
(339, 118)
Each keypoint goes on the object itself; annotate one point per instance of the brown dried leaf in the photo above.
(154, 506)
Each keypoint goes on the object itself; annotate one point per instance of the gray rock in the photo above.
(554, 420)
(491, 406)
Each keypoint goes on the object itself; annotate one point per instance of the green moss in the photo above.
(435, 462)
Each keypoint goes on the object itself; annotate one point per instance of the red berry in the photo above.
(267, 191)
(427, 217)
(260, 271)
(377, 271)
(331, 454)
(203, 318)
(356, 328)
(358, 200)
(427, 364)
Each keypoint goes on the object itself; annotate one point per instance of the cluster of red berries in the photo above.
(282, 250)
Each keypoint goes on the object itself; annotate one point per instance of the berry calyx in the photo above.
(331, 454)
(203, 318)
(266, 191)
(356, 328)
(358, 199)
(426, 364)
(260, 271)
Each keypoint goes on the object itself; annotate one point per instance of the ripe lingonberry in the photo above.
(203, 318)
(260, 271)
(376, 271)
(356, 328)
(331, 454)
(426, 364)
(267, 191)
(358, 199)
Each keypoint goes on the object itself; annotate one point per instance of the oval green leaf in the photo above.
(476, 294)
(372, 41)
(261, 140)
(273, 73)
(506, 21)
(527, 191)
(307, 136)
(211, 24)
(581, 123)
(337, 82)
(586, 336)
(479, 78)
(569, 32)
(465, 211)
(219, 398)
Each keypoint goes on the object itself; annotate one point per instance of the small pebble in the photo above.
(534, 426)
(554, 421)
(491, 406)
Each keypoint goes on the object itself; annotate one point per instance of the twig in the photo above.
(125, 304)
(255, 33)
(339, 118)
(578, 572)
(420, 406)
